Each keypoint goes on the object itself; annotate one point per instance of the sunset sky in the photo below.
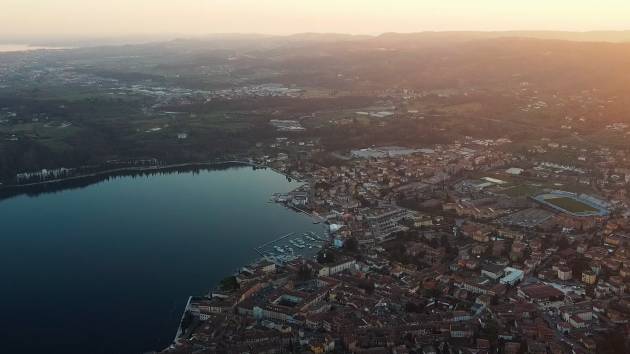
(125, 17)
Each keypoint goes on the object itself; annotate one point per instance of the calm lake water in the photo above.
(109, 268)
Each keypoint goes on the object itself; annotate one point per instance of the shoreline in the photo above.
(12, 190)
(124, 169)
(181, 320)
(239, 166)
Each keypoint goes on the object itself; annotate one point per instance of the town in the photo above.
(467, 193)
(456, 248)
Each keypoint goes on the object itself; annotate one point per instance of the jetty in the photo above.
(257, 249)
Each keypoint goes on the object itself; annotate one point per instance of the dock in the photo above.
(179, 328)
(257, 249)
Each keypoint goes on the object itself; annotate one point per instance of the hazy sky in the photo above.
(125, 17)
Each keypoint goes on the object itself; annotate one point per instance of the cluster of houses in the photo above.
(448, 258)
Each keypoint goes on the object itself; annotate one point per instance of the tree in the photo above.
(367, 285)
(325, 257)
(579, 265)
(304, 273)
(433, 242)
(491, 331)
(562, 243)
(444, 241)
(412, 307)
(229, 284)
(615, 343)
(351, 245)
(430, 293)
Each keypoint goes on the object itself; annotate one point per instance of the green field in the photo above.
(521, 190)
(570, 205)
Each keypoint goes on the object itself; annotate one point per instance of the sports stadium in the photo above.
(573, 204)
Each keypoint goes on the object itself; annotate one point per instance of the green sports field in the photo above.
(570, 205)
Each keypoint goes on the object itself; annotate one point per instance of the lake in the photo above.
(108, 268)
(22, 47)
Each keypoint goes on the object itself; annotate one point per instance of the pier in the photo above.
(181, 320)
(257, 249)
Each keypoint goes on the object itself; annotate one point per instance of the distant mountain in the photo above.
(592, 36)
(327, 37)
(239, 39)
(458, 60)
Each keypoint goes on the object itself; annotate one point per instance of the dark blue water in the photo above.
(109, 268)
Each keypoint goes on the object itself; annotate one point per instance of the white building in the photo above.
(514, 171)
(565, 273)
(337, 268)
(512, 276)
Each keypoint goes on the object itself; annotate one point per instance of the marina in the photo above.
(288, 247)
